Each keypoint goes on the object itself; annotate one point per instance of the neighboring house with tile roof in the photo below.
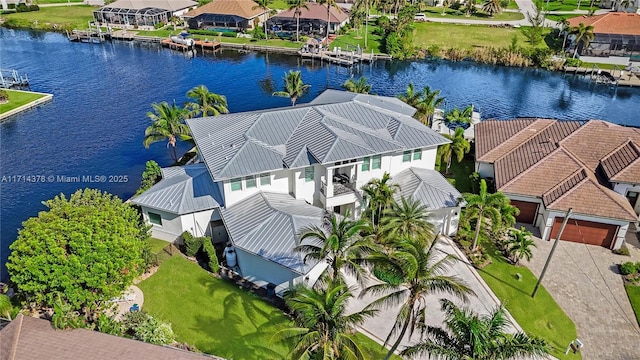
(616, 37)
(548, 166)
(141, 12)
(227, 14)
(312, 20)
(265, 175)
(29, 338)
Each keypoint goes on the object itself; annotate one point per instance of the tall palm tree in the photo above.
(379, 193)
(425, 102)
(492, 7)
(407, 219)
(359, 86)
(417, 264)
(445, 5)
(583, 34)
(459, 146)
(167, 123)
(323, 330)
(329, 3)
(297, 6)
(519, 244)
(264, 6)
(459, 117)
(339, 242)
(468, 335)
(205, 103)
(294, 87)
(484, 206)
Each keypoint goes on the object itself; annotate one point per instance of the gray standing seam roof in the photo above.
(336, 126)
(429, 187)
(269, 225)
(183, 190)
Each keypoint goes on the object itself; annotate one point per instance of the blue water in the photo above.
(96, 122)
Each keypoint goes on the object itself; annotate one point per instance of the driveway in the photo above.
(484, 300)
(584, 281)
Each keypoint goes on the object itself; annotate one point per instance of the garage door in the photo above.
(588, 232)
(527, 211)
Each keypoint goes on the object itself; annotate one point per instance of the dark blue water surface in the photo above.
(102, 93)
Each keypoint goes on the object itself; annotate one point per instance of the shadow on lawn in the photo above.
(245, 330)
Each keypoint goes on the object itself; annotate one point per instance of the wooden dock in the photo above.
(207, 44)
(612, 77)
(174, 45)
(344, 58)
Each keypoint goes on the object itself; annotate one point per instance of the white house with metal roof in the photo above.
(266, 175)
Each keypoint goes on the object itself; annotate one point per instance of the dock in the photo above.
(174, 45)
(611, 77)
(12, 79)
(93, 35)
(344, 58)
(44, 98)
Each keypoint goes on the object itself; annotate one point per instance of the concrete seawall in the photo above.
(30, 105)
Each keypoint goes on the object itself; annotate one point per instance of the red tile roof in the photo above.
(28, 338)
(317, 12)
(247, 9)
(620, 23)
(557, 162)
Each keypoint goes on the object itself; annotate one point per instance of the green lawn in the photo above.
(634, 297)
(216, 316)
(539, 316)
(52, 18)
(563, 5)
(555, 17)
(156, 245)
(163, 33)
(458, 173)
(17, 99)
(436, 12)
(512, 5)
(278, 5)
(464, 36)
(40, 2)
(354, 38)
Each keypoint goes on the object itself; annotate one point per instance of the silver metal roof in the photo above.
(269, 225)
(427, 186)
(336, 126)
(183, 190)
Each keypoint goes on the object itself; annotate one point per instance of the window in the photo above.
(376, 162)
(250, 182)
(308, 174)
(406, 156)
(236, 184)
(155, 219)
(265, 179)
(366, 162)
(417, 154)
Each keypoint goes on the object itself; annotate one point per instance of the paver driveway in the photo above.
(484, 300)
(584, 281)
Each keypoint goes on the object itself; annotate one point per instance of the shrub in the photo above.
(258, 33)
(159, 25)
(379, 31)
(229, 34)
(624, 250)
(4, 96)
(383, 22)
(434, 51)
(34, 7)
(628, 268)
(191, 244)
(108, 325)
(208, 248)
(144, 327)
(22, 7)
(573, 62)
(150, 176)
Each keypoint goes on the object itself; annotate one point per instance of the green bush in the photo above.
(144, 327)
(258, 33)
(159, 25)
(191, 244)
(4, 96)
(34, 7)
(208, 248)
(229, 34)
(573, 62)
(150, 176)
(22, 7)
(194, 244)
(624, 250)
(628, 268)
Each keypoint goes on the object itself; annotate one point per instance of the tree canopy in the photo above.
(83, 250)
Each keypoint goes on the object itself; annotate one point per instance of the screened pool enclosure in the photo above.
(148, 16)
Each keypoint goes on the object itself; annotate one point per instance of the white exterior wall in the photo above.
(548, 217)
(198, 223)
(445, 220)
(261, 271)
(622, 188)
(392, 163)
(171, 227)
(279, 184)
(485, 169)
(183, 11)
(308, 190)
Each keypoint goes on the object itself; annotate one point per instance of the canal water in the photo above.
(102, 92)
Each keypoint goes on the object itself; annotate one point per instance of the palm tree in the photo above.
(483, 206)
(445, 5)
(519, 245)
(492, 7)
(205, 103)
(479, 337)
(416, 262)
(407, 219)
(338, 242)
(583, 34)
(459, 146)
(293, 86)
(459, 117)
(323, 330)
(297, 6)
(329, 4)
(425, 102)
(360, 86)
(379, 192)
(167, 123)
(264, 6)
